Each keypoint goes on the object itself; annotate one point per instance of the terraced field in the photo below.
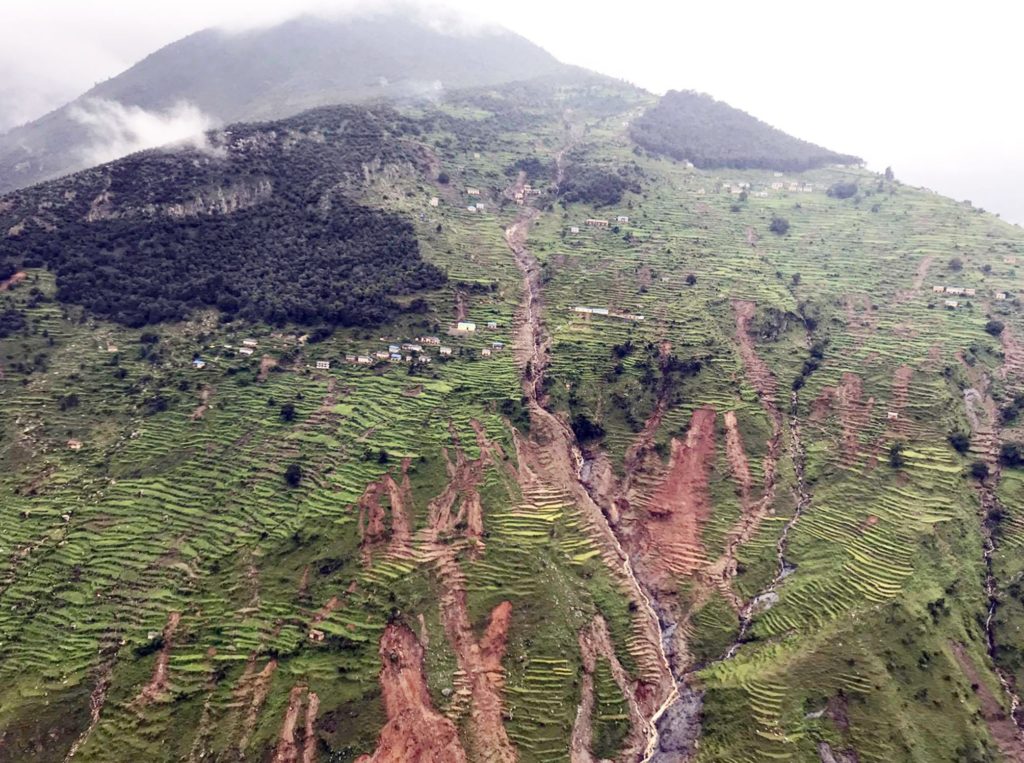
(764, 547)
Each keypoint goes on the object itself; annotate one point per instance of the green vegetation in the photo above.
(691, 126)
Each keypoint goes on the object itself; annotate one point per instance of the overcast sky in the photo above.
(931, 88)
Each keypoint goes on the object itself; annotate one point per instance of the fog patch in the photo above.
(117, 130)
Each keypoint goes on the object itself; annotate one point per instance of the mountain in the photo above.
(261, 74)
(479, 430)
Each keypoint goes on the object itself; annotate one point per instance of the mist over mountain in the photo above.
(216, 76)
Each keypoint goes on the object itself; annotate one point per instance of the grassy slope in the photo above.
(161, 513)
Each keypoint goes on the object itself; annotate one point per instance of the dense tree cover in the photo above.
(842, 190)
(258, 228)
(686, 125)
(11, 321)
(593, 184)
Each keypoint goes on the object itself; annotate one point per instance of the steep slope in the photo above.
(692, 126)
(270, 73)
(684, 491)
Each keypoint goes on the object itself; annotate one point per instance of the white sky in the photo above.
(931, 88)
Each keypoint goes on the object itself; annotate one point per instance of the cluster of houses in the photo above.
(600, 223)
(777, 185)
(606, 312)
(961, 291)
(528, 190)
(416, 350)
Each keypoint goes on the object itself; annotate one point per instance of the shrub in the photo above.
(994, 327)
(779, 225)
(288, 412)
(960, 441)
(1010, 455)
(979, 470)
(842, 190)
(293, 475)
(896, 458)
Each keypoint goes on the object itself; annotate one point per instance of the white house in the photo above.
(323, 365)
(471, 208)
(492, 324)
(892, 416)
(434, 202)
(198, 363)
(465, 326)
(246, 350)
(412, 347)
(777, 186)
(349, 358)
(591, 310)
(486, 352)
(382, 355)
(970, 292)
(955, 290)
(952, 304)
(473, 191)
(446, 350)
(395, 357)
(250, 342)
(1010, 260)
(939, 289)
(622, 219)
(429, 340)
(364, 360)
(574, 229)
(594, 222)
(1000, 295)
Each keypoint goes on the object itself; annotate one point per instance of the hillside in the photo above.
(719, 476)
(271, 73)
(695, 127)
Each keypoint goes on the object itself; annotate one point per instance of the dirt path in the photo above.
(266, 364)
(595, 644)
(922, 271)
(1001, 726)
(204, 402)
(157, 686)
(854, 414)
(252, 693)
(287, 750)
(98, 697)
(550, 459)
(415, 731)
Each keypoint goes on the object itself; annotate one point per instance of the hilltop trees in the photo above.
(686, 125)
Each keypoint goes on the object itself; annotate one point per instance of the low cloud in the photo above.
(118, 130)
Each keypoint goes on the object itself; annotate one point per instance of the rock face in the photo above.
(206, 201)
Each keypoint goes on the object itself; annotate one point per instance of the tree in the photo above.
(288, 412)
(442, 178)
(293, 475)
(1010, 454)
(779, 225)
(796, 279)
(994, 327)
(960, 441)
(842, 190)
(956, 264)
(889, 174)
(896, 458)
(691, 279)
(979, 470)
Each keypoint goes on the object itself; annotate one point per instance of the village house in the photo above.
(473, 191)
(428, 340)
(892, 416)
(246, 350)
(777, 186)
(955, 290)
(316, 635)
(434, 202)
(701, 192)
(412, 347)
(808, 188)
(393, 348)
(486, 352)
(1009, 260)
(735, 190)
(350, 358)
(594, 222)
(970, 292)
(323, 365)
(952, 304)
(793, 187)
(250, 342)
(492, 324)
(1000, 295)
(446, 350)
(471, 208)
(592, 310)
(382, 355)
(465, 326)
(498, 345)
(395, 357)
(622, 219)
(777, 174)
(574, 229)
(762, 194)
(479, 207)
(939, 289)
(364, 360)
(198, 363)
(74, 444)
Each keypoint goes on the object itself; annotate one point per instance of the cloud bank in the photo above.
(118, 130)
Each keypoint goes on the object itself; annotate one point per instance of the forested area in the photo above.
(157, 234)
(691, 126)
